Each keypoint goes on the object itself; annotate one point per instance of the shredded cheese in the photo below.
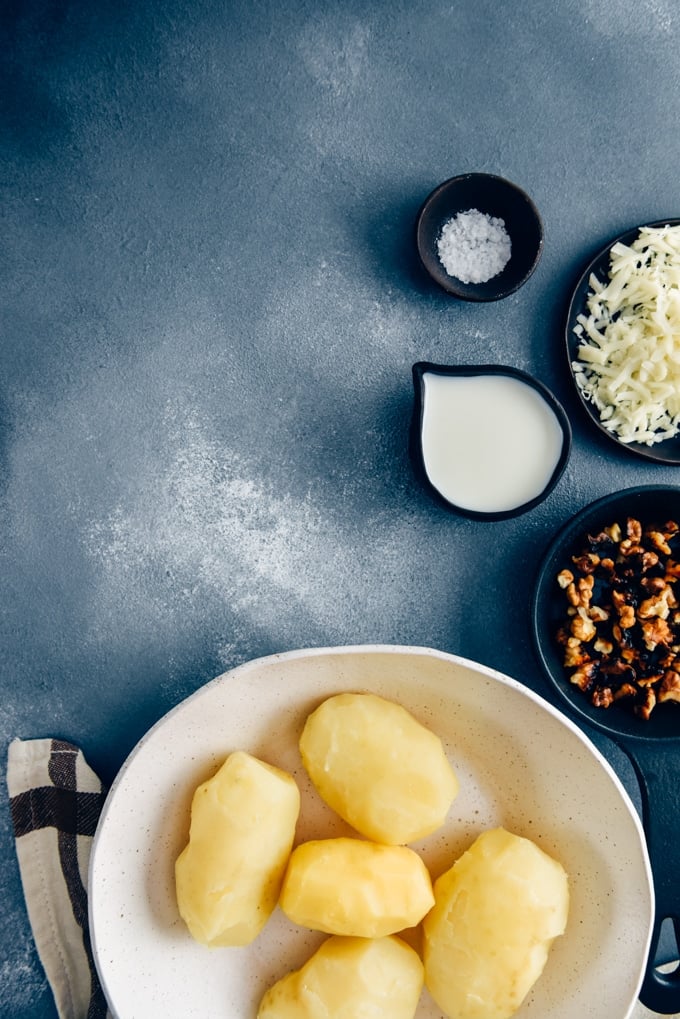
(628, 361)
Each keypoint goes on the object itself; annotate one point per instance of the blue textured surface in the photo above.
(210, 307)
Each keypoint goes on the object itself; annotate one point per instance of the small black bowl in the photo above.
(420, 369)
(493, 196)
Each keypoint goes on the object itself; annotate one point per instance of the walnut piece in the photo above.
(669, 690)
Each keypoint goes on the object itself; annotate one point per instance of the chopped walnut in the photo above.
(629, 548)
(586, 563)
(583, 677)
(655, 632)
(634, 529)
(645, 708)
(574, 654)
(627, 617)
(649, 561)
(582, 627)
(653, 680)
(612, 666)
(584, 587)
(602, 697)
(625, 690)
(658, 605)
(565, 578)
(658, 540)
(669, 690)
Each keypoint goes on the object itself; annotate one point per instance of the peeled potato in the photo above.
(497, 911)
(355, 888)
(229, 876)
(378, 768)
(347, 978)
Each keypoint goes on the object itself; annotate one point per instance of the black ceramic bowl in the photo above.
(666, 452)
(493, 196)
(475, 449)
(653, 746)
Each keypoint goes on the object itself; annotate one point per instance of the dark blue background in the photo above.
(210, 308)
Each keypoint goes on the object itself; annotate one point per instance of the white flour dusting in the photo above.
(221, 533)
(635, 17)
(335, 54)
(353, 337)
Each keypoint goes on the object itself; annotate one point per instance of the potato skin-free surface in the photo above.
(350, 978)
(229, 875)
(378, 768)
(497, 911)
(355, 888)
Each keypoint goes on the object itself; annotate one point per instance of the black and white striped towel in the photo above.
(56, 800)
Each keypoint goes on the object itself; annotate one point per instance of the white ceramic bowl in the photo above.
(521, 764)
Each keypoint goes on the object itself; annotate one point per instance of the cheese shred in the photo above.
(628, 358)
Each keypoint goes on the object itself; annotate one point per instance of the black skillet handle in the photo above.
(657, 765)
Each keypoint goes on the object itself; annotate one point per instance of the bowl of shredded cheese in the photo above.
(623, 340)
(479, 236)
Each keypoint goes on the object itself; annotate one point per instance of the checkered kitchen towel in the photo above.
(56, 800)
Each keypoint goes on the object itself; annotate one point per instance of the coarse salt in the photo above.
(474, 247)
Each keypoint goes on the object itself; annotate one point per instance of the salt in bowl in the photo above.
(481, 241)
